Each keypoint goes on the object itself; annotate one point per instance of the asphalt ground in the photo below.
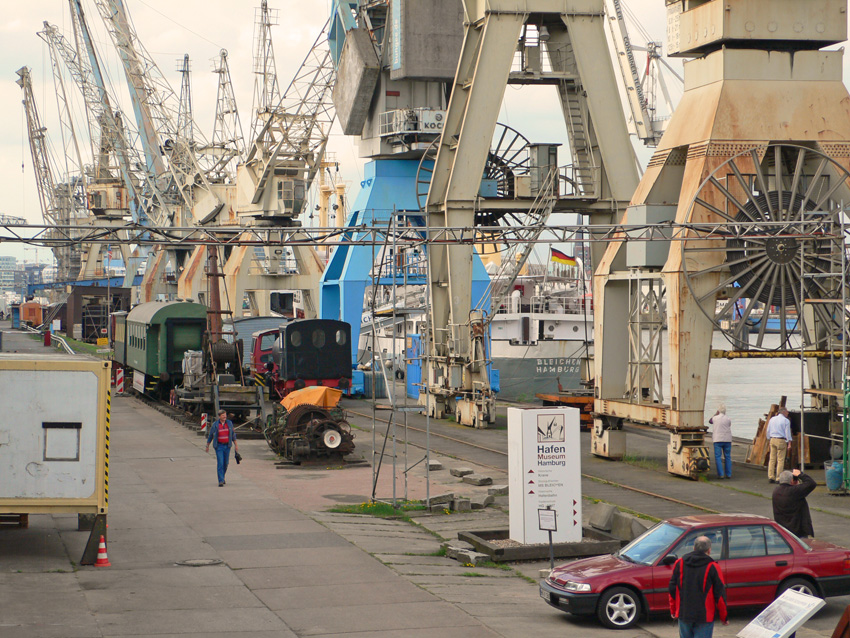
(289, 567)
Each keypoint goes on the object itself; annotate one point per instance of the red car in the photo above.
(758, 557)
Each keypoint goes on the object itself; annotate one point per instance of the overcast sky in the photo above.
(169, 29)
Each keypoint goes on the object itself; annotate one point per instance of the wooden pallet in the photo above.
(759, 451)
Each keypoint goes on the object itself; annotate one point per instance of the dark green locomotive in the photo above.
(152, 338)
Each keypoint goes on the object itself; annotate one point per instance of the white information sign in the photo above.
(548, 520)
(544, 470)
(139, 381)
(783, 616)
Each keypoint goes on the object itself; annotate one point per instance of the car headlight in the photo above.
(574, 586)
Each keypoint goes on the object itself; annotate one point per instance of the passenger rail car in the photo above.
(151, 340)
(312, 352)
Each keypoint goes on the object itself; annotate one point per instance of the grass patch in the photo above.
(473, 575)
(380, 509)
(644, 462)
(491, 565)
(439, 552)
(626, 510)
(527, 579)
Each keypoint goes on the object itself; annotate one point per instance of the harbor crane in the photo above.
(172, 158)
(761, 137)
(61, 202)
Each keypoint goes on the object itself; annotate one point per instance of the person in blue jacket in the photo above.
(221, 434)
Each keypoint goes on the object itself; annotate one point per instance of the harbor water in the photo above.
(749, 386)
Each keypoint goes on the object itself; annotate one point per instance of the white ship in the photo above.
(541, 335)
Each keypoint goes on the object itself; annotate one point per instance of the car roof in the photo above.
(717, 519)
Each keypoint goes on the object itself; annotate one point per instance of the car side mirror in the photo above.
(669, 559)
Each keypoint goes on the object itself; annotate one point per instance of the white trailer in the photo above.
(54, 437)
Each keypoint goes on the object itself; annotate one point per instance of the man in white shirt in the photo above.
(779, 439)
(721, 434)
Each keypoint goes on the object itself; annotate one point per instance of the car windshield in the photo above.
(651, 545)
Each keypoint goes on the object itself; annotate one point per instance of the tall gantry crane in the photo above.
(274, 180)
(59, 201)
(171, 157)
(266, 86)
(228, 142)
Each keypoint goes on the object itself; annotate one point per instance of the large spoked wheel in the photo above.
(508, 157)
(802, 585)
(619, 608)
(778, 247)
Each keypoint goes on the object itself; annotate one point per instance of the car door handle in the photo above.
(781, 563)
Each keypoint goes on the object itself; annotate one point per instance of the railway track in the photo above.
(502, 467)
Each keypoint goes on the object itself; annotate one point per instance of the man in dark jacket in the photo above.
(697, 592)
(790, 508)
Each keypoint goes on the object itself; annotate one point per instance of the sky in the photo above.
(202, 28)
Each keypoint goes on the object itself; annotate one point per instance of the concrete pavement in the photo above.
(290, 568)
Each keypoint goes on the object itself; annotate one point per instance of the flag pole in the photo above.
(548, 264)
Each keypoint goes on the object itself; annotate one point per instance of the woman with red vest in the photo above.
(221, 434)
(697, 592)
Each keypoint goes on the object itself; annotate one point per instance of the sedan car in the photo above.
(759, 560)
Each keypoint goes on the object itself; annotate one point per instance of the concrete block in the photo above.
(461, 505)
(442, 499)
(433, 466)
(498, 490)
(453, 548)
(477, 479)
(480, 502)
(439, 508)
(430, 36)
(621, 526)
(640, 525)
(602, 516)
(461, 471)
(357, 77)
(471, 557)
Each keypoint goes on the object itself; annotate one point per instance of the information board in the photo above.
(544, 471)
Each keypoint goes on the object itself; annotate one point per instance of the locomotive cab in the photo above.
(313, 352)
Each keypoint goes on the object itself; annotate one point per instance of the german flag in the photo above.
(562, 258)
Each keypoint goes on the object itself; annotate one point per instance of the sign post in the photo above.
(548, 520)
(544, 473)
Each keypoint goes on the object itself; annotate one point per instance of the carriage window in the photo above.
(340, 337)
(295, 338)
(267, 341)
(319, 338)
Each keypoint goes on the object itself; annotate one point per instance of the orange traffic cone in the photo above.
(102, 560)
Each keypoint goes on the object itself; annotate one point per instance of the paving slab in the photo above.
(376, 617)
(160, 598)
(190, 621)
(317, 597)
(276, 541)
(423, 632)
(305, 575)
(318, 556)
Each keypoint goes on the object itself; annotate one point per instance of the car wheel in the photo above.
(619, 608)
(802, 585)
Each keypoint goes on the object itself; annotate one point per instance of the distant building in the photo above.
(7, 273)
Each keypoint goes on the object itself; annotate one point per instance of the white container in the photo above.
(54, 433)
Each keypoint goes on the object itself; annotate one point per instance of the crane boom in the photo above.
(638, 104)
(58, 202)
(154, 103)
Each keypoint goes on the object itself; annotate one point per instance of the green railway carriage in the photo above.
(154, 337)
